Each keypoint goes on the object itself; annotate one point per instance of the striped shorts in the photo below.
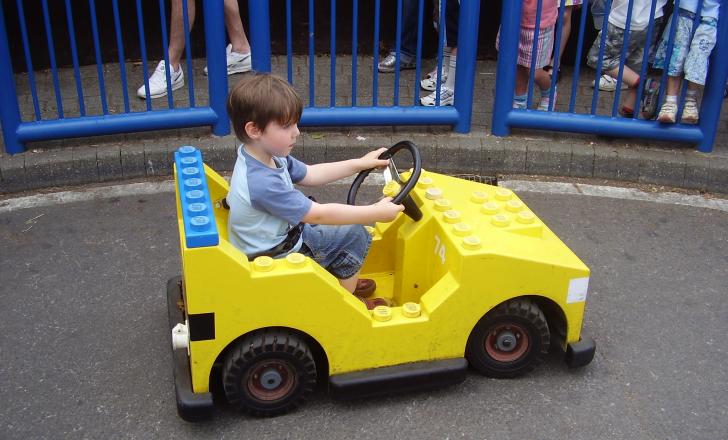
(525, 46)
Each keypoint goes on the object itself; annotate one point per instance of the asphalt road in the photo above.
(84, 341)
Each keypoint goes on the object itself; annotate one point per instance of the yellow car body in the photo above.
(476, 246)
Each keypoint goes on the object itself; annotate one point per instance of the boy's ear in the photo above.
(252, 130)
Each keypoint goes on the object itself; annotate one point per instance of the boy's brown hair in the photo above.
(262, 98)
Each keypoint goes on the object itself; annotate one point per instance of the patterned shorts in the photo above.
(571, 2)
(525, 46)
(688, 56)
(613, 48)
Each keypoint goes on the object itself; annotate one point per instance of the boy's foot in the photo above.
(365, 287)
(158, 82)
(236, 62)
(649, 98)
(430, 80)
(690, 112)
(389, 63)
(609, 84)
(543, 103)
(375, 302)
(626, 112)
(447, 97)
(668, 112)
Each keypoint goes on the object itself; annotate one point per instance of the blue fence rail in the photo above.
(16, 132)
(506, 117)
(355, 111)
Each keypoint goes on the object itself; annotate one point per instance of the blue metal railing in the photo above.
(505, 117)
(459, 115)
(16, 132)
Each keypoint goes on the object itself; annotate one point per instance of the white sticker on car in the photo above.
(577, 290)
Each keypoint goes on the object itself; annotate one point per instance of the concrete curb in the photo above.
(138, 156)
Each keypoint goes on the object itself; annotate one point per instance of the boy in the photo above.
(614, 41)
(268, 216)
(689, 57)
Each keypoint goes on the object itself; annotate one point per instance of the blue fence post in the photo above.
(713, 94)
(217, 63)
(506, 69)
(9, 109)
(259, 11)
(465, 72)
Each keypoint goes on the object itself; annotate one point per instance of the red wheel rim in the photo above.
(270, 380)
(507, 342)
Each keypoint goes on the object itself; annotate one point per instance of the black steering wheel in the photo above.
(402, 198)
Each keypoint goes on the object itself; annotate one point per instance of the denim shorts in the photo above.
(340, 249)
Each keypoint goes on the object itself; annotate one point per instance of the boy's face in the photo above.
(278, 140)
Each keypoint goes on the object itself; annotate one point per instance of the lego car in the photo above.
(474, 278)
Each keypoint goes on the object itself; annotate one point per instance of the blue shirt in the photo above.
(264, 205)
(711, 8)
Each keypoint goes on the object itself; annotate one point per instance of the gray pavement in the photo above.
(84, 351)
(118, 157)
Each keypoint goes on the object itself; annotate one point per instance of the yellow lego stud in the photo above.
(525, 217)
(263, 264)
(490, 208)
(425, 182)
(433, 193)
(503, 194)
(295, 259)
(371, 230)
(382, 313)
(471, 242)
(442, 205)
(461, 229)
(391, 189)
(411, 310)
(405, 176)
(501, 220)
(479, 197)
(514, 205)
(451, 216)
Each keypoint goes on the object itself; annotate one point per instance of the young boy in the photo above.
(689, 57)
(268, 216)
(614, 42)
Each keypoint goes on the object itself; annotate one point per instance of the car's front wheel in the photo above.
(510, 340)
(269, 372)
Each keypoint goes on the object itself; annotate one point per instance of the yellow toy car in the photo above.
(475, 278)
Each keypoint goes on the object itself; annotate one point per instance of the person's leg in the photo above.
(565, 33)
(234, 26)
(177, 30)
(521, 95)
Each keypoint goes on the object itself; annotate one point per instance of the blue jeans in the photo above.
(340, 249)
(409, 24)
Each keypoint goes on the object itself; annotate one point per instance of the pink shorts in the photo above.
(525, 46)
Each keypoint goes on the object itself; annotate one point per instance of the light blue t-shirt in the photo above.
(264, 205)
(711, 8)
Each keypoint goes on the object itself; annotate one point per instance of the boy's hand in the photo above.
(371, 160)
(387, 209)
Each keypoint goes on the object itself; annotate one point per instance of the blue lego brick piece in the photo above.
(197, 210)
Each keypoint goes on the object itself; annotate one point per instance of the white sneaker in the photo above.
(158, 82)
(236, 62)
(447, 97)
(430, 80)
(609, 84)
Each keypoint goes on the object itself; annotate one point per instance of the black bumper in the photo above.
(190, 406)
(397, 379)
(580, 353)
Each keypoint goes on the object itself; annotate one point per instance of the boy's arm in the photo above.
(323, 173)
(338, 214)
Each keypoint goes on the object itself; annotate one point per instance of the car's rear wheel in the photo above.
(510, 340)
(269, 372)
